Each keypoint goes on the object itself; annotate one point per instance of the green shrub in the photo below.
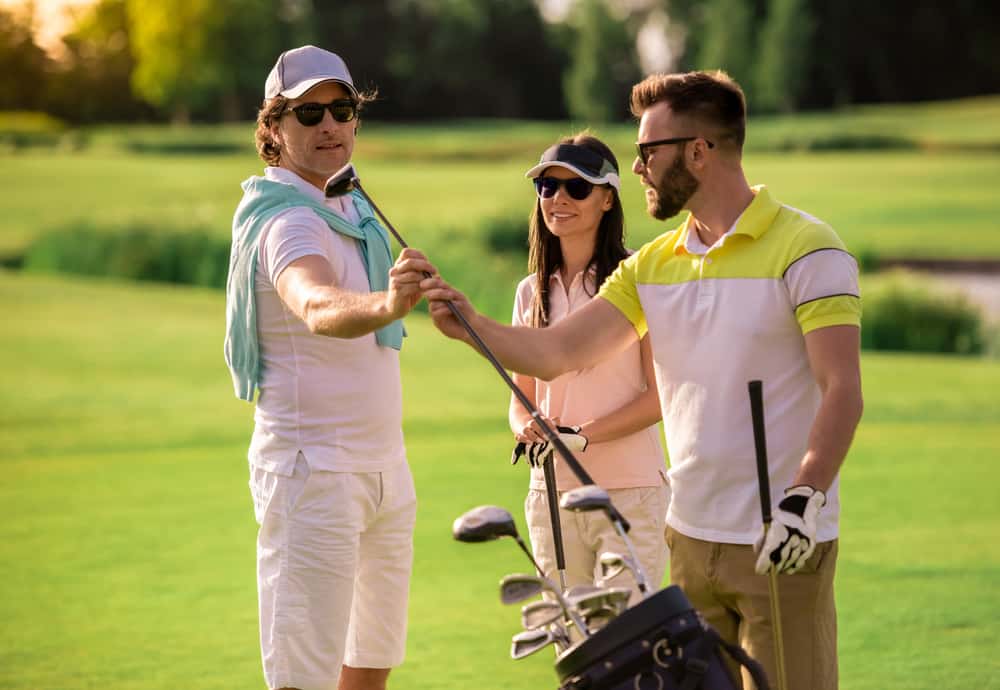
(506, 234)
(21, 129)
(133, 253)
(902, 314)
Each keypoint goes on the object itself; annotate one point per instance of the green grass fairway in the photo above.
(128, 548)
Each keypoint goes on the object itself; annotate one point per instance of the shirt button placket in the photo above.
(706, 287)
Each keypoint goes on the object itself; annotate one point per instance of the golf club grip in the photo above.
(552, 495)
(755, 388)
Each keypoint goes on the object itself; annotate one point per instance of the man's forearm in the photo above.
(830, 436)
(338, 313)
(529, 351)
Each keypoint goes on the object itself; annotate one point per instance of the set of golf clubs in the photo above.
(583, 608)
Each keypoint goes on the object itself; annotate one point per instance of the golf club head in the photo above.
(539, 614)
(518, 587)
(612, 564)
(586, 498)
(341, 182)
(597, 619)
(613, 600)
(484, 523)
(530, 641)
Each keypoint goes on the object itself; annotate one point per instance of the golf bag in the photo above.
(660, 643)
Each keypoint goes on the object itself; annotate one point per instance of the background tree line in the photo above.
(126, 60)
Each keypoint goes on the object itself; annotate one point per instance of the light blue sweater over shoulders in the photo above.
(262, 200)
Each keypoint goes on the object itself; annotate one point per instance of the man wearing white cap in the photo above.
(313, 308)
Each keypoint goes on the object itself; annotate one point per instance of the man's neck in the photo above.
(719, 208)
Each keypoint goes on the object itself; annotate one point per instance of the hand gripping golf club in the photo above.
(345, 181)
(764, 483)
(593, 497)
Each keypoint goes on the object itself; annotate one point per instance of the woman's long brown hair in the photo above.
(545, 253)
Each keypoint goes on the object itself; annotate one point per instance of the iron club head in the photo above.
(530, 641)
(538, 614)
(516, 588)
(341, 182)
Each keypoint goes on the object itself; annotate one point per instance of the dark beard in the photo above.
(673, 191)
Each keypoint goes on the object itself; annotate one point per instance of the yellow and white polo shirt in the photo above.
(719, 317)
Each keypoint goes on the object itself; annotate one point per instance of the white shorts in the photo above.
(334, 556)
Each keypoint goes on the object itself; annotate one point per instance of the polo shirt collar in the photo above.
(759, 215)
(754, 221)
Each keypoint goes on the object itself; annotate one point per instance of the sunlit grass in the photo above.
(128, 548)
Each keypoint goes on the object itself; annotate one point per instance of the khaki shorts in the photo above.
(334, 555)
(587, 535)
(720, 582)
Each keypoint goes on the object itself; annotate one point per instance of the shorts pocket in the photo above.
(262, 486)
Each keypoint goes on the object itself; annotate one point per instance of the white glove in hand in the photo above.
(792, 536)
(541, 451)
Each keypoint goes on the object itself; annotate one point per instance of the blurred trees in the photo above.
(207, 59)
(449, 58)
(785, 56)
(605, 65)
(23, 65)
(810, 54)
(91, 83)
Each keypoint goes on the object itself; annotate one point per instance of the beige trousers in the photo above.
(587, 535)
(720, 582)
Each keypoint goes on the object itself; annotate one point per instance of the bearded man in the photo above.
(746, 288)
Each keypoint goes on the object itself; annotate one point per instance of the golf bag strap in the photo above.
(698, 661)
(745, 660)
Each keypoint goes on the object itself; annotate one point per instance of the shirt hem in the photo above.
(720, 537)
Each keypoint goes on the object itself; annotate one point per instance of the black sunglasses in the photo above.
(576, 187)
(642, 146)
(311, 114)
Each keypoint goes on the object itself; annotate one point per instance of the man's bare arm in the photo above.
(307, 286)
(835, 361)
(587, 336)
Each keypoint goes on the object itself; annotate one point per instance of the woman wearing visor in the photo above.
(607, 413)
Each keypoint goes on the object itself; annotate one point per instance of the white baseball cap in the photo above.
(300, 69)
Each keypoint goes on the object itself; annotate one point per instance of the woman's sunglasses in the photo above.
(576, 187)
(311, 114)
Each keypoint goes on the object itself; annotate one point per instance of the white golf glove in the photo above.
(792, 536)
(541, 451)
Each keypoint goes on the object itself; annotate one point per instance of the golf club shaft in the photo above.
(779, 643)
(553, 501)
(550, 433)
(755, 389)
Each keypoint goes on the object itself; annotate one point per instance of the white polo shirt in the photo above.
(718, 318)
(336, 400)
